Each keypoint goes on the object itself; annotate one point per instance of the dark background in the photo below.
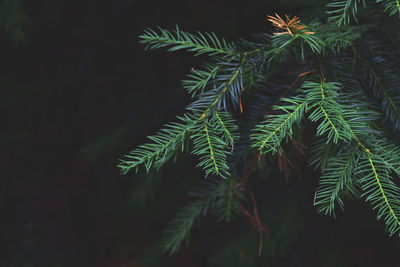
(77, 92)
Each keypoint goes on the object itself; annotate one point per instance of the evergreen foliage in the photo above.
(256, 100)
(207, 43)
(212, 197)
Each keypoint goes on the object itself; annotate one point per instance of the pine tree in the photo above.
(254, 101)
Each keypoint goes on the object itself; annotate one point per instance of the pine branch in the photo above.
(392, 6)
(207, 43)
(226, 208)
(380, 191)
(336, 181)
(323, 99)
(342, 11)
(179, 228)
(387, 152)
(320, 153)
(211, 149)
(211, 196)
(227, 127)
(199, 79)
(356, 152)
(284, 46)
(164, 146)
(358, 117)
(383, 85)
(226, 91)
(337, 39)
(376, 185)
(391, 107)
(269, 134)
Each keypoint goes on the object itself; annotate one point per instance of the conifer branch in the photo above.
(340, 11)
(383, 194)
(164, 146)
(227, 127)
(389, 204)
(226, 207)
(282, 46)
(226, 91)
(199, 79)
(337, 38)
(211, 149)
(380, 88)
(392, 6)
(269, 134)
(207, 43)
(323, 98)
(179, 228)
(336, 177)
(357, 154)
(213, 196)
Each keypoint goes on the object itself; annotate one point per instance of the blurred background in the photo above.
(78, 91)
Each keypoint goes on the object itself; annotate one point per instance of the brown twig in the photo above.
(252, 218)
(260, 226)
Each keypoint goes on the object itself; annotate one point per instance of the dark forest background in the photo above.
(78, 91)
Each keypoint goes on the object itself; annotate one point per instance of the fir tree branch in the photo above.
(383, 194)
(199, 79)
(352, 149)
(389, 106)
(227, 126)
(164, 145)
(336, 177)
(207, 43)
(340, 11)
(379, 176)
(269, 134)
(226, 91)
(179, 228)
(228, 134)
(211, 149)
(323, 99)
(392, 6)
(226, 207)
(213, 195)
(283, 46)
(337, 38)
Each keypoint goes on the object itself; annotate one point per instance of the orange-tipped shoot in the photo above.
(290, 26)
